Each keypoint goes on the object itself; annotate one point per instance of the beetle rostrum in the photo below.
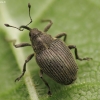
(52, 55)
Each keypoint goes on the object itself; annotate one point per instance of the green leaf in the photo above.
(79, 19)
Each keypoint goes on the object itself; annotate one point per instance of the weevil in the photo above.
(52, 54)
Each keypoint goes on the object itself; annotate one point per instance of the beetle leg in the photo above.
(62, 35)
(48, 26)
(41, 76)
(19, 45)
(76, 53)
(24, 67)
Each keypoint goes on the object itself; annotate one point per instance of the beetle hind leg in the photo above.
(41, 76)
(76, 53)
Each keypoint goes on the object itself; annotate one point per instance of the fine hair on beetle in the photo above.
(52, 55)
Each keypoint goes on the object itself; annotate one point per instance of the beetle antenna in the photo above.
(7, 25)
(25, 27)
(22, 28)
(29, 6)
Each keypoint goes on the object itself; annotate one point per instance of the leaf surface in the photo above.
(79, 19)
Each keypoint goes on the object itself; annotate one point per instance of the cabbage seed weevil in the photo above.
(52, 55)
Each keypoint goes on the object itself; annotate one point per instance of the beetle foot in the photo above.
(49, 93)
(87, 58)
(17, 79)
(84, 59)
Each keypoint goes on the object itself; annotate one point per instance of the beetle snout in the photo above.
(34, 33)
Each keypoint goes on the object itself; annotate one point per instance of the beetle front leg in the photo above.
(24, 67)
(48, 26)
(62, 35)
(76, 53)
(19, 45)
(41, 76)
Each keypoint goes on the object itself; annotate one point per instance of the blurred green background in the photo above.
(80, 19)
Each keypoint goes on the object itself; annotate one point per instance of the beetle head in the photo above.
(33, 33)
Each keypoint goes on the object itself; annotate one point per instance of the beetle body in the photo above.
(52, 55)
(56, 60)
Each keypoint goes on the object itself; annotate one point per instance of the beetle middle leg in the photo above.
(48, 26)
(76, 53)
(24, 67)
(41, 76)
(62, 35)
